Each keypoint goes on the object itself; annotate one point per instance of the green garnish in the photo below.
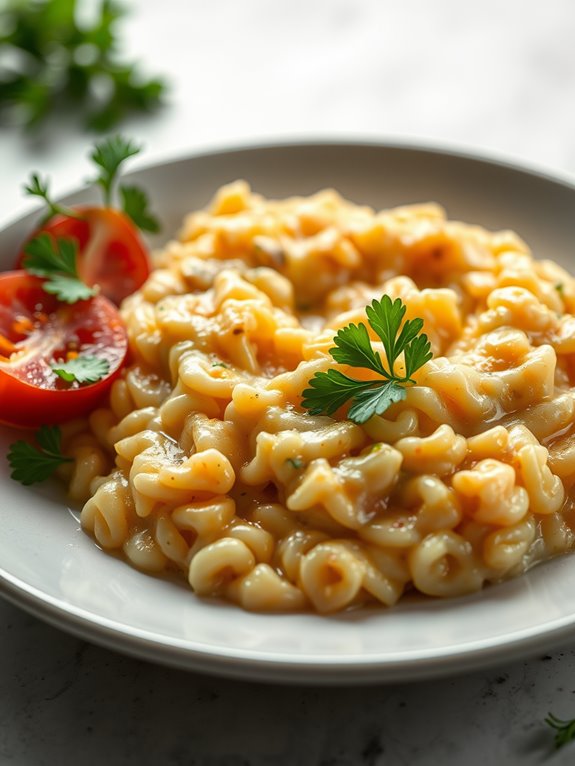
(332, 389)
(135, 205)
(82, 369)
(565, 730)
(55, 261)
(55, 61)
(560, 287)
(296, 462)
(32, 464)
(109, 155)
(221, 364)
(39, 188)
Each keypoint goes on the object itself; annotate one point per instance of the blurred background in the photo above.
(495, 76)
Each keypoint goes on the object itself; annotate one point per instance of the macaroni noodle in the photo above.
(203, 460)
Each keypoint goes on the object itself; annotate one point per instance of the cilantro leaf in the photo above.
(328, 391)
(32, 464)
(55, 261)
(135, 205)
(109, 155)
(82, 369)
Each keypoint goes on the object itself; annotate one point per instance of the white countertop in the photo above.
(492, 76)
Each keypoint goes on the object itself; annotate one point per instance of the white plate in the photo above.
(49, 567)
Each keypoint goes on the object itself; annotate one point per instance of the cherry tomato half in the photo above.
(110, 251)
(37, 330)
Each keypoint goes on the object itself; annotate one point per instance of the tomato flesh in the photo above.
(36, 331)
(110, 251)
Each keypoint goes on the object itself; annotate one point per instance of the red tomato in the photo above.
(36, 330)
(110, 251)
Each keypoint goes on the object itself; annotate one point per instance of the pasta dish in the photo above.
(205, 461)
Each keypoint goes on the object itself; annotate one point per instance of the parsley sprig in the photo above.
(31, 464)
(54, 61)
(82, 369)
(55, 261)
(39, 187)
(564, 730)
(332, 389)
(108, 155)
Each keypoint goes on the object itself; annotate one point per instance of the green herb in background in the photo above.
(50, 60)
(332, 389)
(564, 730)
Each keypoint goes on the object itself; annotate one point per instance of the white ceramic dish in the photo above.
(49, 567)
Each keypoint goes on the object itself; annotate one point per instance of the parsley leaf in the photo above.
(353, 347)
(416, 354)
(564, 730)
(135, 205)
(375, 401)
(330, 390)
(55, 261)
(68, 289)
(37, 187)
(108, 155)
(82, 369)
(32, 464)
(52, 59)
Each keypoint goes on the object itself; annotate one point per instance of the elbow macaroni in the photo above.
(203, 461)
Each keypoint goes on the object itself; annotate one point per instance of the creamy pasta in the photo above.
(203, 460)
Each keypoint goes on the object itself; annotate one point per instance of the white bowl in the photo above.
(51, 568)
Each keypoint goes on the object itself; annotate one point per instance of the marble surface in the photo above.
(488, 75)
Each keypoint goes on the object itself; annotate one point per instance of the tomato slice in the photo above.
(110, 251)
(37, 330)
